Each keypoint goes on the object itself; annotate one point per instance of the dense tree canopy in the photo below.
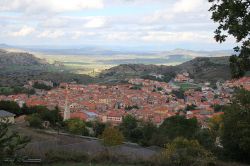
(129, 123)
(236, 127)
(176, 126)
(233, 17)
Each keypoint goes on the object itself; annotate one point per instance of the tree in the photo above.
(215, 125)
(186, 152)
(179, 94)
(175, 126)
(10, 142)
(76, 126)
(112, 136)
(233, 17)
(206, 138)
(41, 86)
(35, 120)
(10, 106)
(191, 107)
(235, 134)
(148, 130)
(98, 128)
(129, 123)
(53, 116)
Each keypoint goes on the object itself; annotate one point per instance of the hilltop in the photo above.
(201, 69)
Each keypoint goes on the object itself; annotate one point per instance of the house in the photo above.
(7, 117)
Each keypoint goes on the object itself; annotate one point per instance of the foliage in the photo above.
(38, 114)
(129, 123)
(76, 126)
(15, 90)
(10, 142)
(236, 127)
(191, 107)
(10, 106)
(215, 125)
(128, 108)
(218, 108)
(184, 152)
(53, 116)
(98, 128)
(206, 138)
(41, 86)
(234, 17)
(33, 109)
(175, 126)
(112, 136)
(148, 130)
(179, 94)
(136, 87)
(34, 120)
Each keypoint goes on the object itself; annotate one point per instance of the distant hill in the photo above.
(201, 69)
(207, 69)
(19, 58)
(17, 68)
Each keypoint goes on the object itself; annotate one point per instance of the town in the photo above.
(144, 99)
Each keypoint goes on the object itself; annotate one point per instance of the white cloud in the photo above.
(50, 6)
(95, 23)
(51, 34)
(24, 31)
(181, 10)
(188, 6)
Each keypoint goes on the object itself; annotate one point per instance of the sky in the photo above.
(155, 24)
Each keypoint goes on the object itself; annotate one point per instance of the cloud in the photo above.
(50, 6)
(183, 6)
(24, 31)
(95, 23)
(181, 10)
(51, 34)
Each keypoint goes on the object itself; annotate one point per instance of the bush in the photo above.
(112, 136)
(76, 126)
(184, 152)
(35, 121)
(10, 106)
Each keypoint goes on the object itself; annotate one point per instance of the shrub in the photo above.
(76, 126)
(35, 121)
(112, 136)
(183, 152)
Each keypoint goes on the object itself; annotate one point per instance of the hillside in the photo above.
(17, 68)
(19, 58)
(208, 69)
(201, 69)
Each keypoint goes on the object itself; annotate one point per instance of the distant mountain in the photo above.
(201, 69)
(16, 68)
(194, 54)
(3, 45)
(19, 58)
